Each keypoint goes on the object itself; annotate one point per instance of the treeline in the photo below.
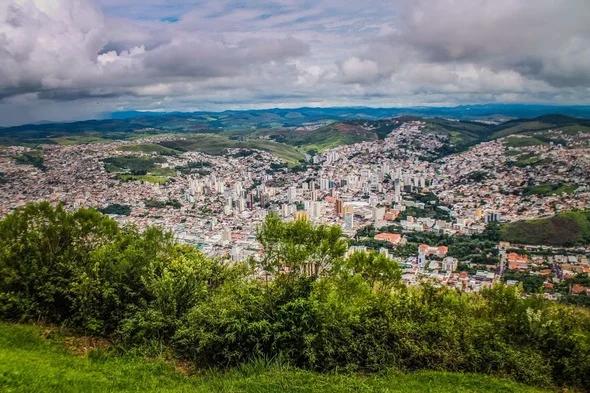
(480, 248)
(304, 303)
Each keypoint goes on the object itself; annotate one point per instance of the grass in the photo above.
(31, 363)
(215, 144)
(80, 139)
(522, 141)
(546, 189)
(564, 229)
(130, 168)
(149, 148)
(530, 159)
(154, 179)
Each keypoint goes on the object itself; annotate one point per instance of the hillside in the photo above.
(541, 123)
(216, 144)
(31, 363)
(564, 229)
(123, 125)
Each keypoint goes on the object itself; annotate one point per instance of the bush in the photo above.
(81, 270)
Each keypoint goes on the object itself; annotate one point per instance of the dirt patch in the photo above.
(82, 345)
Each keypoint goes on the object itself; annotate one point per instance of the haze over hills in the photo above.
(316, 128)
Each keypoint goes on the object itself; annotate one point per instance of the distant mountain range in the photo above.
(319, 127)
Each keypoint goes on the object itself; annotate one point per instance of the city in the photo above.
(216, 202)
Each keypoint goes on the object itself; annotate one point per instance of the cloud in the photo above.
(63, 47)
(92, 56)
(355, 70)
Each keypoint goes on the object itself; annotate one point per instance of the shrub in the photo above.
(82, 270)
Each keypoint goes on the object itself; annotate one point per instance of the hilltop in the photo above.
(311, 128)
(563, 229)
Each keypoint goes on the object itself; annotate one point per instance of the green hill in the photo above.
(216, 144)
(564, 229)
(31, 363)
(541, 123)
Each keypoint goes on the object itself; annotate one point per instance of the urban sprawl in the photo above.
(380, 192)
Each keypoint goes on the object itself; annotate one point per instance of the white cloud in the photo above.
(89, 57)
(355, 70)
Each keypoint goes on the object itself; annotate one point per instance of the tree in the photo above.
(377, 269)
(299, 247)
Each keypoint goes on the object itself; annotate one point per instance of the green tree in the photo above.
(299, 247)
(377, 269)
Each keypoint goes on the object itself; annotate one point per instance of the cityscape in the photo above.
(393, 186)
(289, 196)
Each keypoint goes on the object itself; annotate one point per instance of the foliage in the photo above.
(298, 246)
(80, 269)
(316, 309)
(34, 158)
(32, 363)
(531, 283)
(546, 189)
(156, 204)
(130, 164)
(376, 269)
(115, 208)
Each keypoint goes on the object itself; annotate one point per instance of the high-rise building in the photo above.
(348, 216)
(226, 235)
(492, 217)
(292, 194)
(241, 204)
(314, 195)
(285, 210)
(339, 206)
(378, 214)
(250, 201)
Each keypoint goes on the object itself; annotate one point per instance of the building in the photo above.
(393, 238)
(349, 217)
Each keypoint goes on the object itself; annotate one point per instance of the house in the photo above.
(392, 238)
(439, 251)
(517, 261)
(579, 289)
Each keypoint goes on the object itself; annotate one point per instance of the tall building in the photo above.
(314, 195)
(226, 235)
(378, 214)
(241, 203)
(492, 217)
(348, 216)
(292, 194)
(339, 206)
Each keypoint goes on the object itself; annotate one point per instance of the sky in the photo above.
(64, 60)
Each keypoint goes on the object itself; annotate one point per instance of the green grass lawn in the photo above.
(31, 363)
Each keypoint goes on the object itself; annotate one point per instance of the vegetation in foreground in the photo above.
(304, 303)
(31, 363)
